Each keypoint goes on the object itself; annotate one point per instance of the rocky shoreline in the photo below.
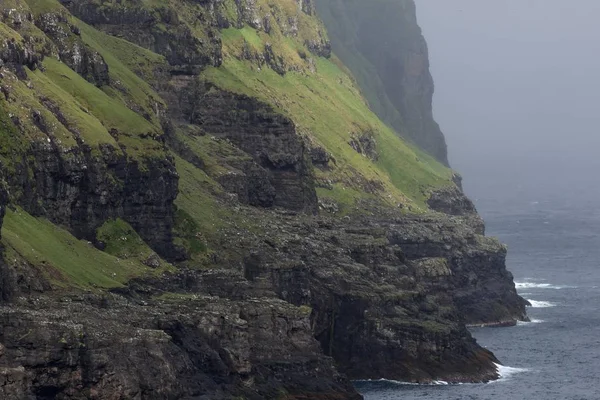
(496, 324)
(169, 237)
(309, 288)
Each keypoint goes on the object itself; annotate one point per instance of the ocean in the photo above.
(554, 254)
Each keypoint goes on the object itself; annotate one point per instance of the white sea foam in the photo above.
(506, 372)
(529, 323)
(434, 383)
(387, 381)
(540, 304)
(535, 285)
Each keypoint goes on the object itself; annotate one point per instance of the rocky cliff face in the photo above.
(200, 205)
(269, 137)
(61, 176)
(105, 348)
(382, 45)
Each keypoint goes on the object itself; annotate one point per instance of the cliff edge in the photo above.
(381, 43)
(198, 203)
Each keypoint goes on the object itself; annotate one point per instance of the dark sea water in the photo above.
(554, 254)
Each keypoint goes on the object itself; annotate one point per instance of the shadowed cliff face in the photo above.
(267, 136)
(381, 42)
(309, 244)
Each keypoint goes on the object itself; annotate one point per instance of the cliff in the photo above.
(381, 43)
(198, 203)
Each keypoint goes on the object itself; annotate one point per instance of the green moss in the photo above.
(189, 235)
(23, 103)
(77, 112)
(218, 155)
(65, 260)
(249, 34)
(344, 197)
(305, 310)
(204, 214)
(6, 33)
(373, 56)
(111, 112)
(328, 107)
(122, 241)
(342, 27)
(10, 146)
(322, 98)
(131, 68)
(134, 132)
(197, 197)
(44, 6)
(290, 30)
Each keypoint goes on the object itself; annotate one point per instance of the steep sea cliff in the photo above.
(198, 203)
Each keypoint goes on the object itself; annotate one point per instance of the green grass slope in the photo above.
(68, 262)
(381, 43)
(319, 94)
(323, 100)
(56, 105)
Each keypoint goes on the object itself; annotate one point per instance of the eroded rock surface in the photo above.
(271, 300)
(199, 347)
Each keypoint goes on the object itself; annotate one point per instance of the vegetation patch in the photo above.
(189, 236)
(65, 260)
(131, 68)
(329, 108)
(120, 240)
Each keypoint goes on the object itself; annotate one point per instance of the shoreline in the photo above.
(496, 324)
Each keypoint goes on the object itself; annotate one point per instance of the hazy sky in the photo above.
(517, 90)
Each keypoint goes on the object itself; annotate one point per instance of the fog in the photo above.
(517, 92)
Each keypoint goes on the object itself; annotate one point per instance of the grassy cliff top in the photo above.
(321, 96)
(275, 51)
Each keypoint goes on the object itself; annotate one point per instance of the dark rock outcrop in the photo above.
(269, 137)
(281, 303)
(71, 49)
(365, 144)
(160, 29)
(82, 190)
(482, 288)
(201, 348)
(452, 201)
(390, 295)
(307, 6)
(82, 186)
(18, 54)
(252, 186)
(320, 158)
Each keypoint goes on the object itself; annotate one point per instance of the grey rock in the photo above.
(267, 136)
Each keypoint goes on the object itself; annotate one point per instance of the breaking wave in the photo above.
(534, 285)
(533, 321)
(434, 383)
(540, 304)
(506, 372)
